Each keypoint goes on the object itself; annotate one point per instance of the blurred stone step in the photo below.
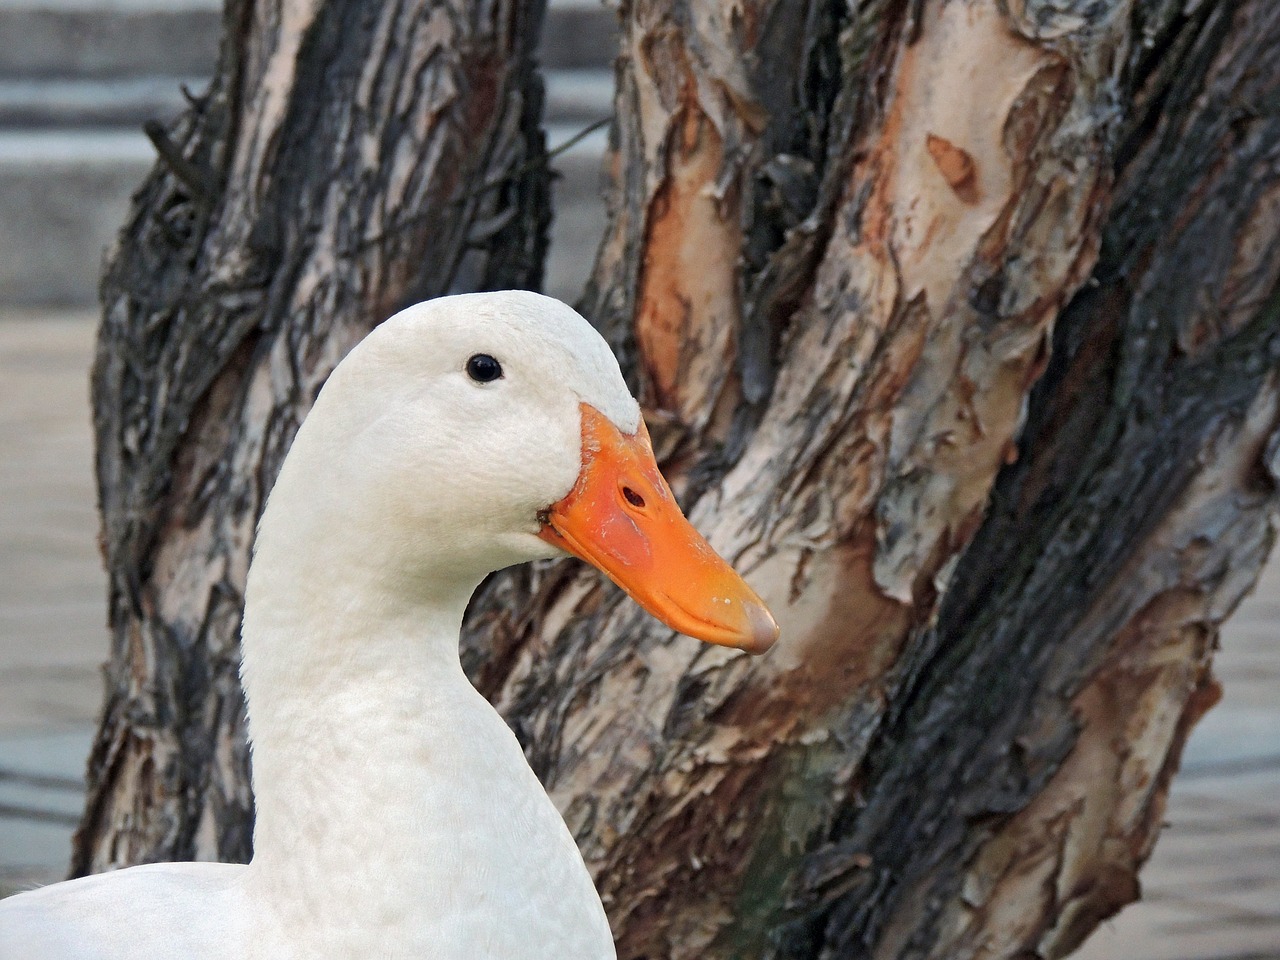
(108, 38)
(573, 96)
(84, 39)
(40, 104)
(578, 35)
(577, 96)
(64, 194)
(60, 103)
(41, 799)
(579, 210)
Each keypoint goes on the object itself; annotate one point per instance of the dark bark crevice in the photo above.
(1118, 430)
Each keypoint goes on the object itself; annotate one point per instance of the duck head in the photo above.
(472, 432)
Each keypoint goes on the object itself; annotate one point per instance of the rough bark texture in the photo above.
(1036, 727)
(840, 241)
(956, 324)
(350, 157)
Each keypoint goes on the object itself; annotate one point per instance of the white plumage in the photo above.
(396, 814)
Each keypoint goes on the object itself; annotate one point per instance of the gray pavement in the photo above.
(52, 590)
(51, 583)
(1212, 889)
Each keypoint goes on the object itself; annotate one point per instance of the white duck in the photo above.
(396, 814)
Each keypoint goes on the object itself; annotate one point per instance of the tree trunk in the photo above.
(956, 326)
(349, 158)
(839, 246)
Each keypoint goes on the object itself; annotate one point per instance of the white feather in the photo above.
(396, 814)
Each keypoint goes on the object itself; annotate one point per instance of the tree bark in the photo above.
(955, 324)
(840, 244)
(1037, 726)
(349, 158)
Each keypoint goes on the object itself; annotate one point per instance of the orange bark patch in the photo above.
(946, 197)
(956, 166)
(687, 303)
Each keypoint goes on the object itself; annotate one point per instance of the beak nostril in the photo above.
(633, 498)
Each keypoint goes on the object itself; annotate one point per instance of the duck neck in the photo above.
(391, 797)
(354, 688)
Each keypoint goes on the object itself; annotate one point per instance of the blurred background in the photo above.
(77, 80)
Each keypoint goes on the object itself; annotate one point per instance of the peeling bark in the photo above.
(348, 158)
(915, 770)
(1136, 518)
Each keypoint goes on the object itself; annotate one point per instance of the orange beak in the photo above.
(622, 518)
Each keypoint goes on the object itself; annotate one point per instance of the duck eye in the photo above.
(482, 368)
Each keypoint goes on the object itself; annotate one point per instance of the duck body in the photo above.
(459, 855)
(395, 812)
(140, 913)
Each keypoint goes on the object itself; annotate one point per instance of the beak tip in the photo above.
(763, 630)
